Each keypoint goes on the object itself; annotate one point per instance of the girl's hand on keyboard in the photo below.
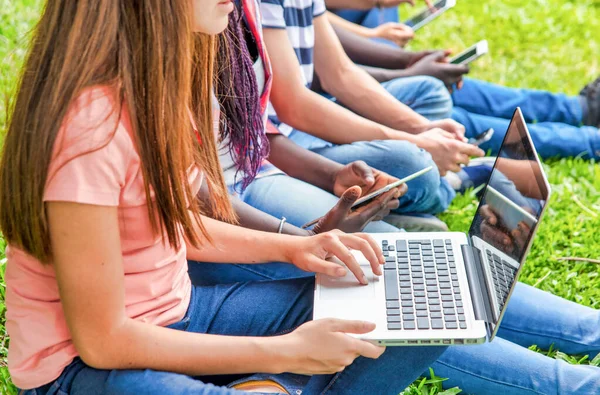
(314, 254)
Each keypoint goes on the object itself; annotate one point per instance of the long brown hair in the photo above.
(163, 72)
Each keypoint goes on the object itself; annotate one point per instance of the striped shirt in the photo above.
(296, 16)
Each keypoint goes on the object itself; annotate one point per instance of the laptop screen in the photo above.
(510, 208)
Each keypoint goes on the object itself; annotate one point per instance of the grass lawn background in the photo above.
(543, 44)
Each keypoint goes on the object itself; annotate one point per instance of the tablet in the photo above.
(429, 14)
(471, 54)
(509, 213)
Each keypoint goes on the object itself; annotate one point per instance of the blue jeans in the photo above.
(504, 366)
(428, 194)
(554, 119)
(251, 309)
(299, 202)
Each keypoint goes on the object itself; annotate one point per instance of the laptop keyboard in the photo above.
(421, 286)
(503, 275)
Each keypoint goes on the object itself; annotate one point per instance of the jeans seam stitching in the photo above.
(331, 383)
(508, 327)
(489, 379)
(285, 331)
(255, 272)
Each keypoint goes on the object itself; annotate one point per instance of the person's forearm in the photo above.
(301, 163)
(352, 27)
(137, 345)
(312, 113)
(370, 53)
(232, 243)
(361, 93)
(252, 218)
(353, 4)
(384, 75)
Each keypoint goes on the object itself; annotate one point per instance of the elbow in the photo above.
(288, 108)
(333, 83)
(95, 356)
(101, 350)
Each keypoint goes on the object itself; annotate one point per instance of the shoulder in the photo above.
(94, 120)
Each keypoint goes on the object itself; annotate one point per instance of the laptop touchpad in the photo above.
(347, 287)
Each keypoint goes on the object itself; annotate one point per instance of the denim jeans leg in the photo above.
(428, 194)
(484, 98)
(537, 317)
(425, 95)
(397, 368)
(276, 307)
(506, 365)
(551, 139)
(503, 367)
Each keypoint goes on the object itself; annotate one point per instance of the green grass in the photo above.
(541, 44)
(544, 44)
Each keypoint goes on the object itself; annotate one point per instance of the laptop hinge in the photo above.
(482, 305)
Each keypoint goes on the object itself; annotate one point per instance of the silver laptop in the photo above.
(450, 288)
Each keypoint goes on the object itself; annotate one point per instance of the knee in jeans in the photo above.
(432, 91)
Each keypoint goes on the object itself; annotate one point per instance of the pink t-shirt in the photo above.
(93, 163)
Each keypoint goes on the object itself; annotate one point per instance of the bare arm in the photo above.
(352, 27)
(315, 169)
(355, 88)
(303, 109)
(328, 175)
(363, 51)
(367, 4)
(93, 299)
(398, 33)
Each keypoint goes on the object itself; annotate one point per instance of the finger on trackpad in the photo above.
(347, 287)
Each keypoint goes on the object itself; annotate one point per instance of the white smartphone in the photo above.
(509, 213)
(429, 14)
(482, 138)
(471, 54)
(366, 199)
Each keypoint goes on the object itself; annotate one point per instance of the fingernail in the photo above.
(370, 179)
(364, 279)
(506, 241)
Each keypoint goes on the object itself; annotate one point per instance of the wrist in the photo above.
(419, 142)
(370, 32)
(332, 177)
(403, 59)
(276, 352)
(282, 354)
(420, 126)
(293, 230)
(284, 248)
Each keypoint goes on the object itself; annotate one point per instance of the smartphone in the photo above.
(429, 14)
(368, 198)
(482, 138)
(471, 54)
